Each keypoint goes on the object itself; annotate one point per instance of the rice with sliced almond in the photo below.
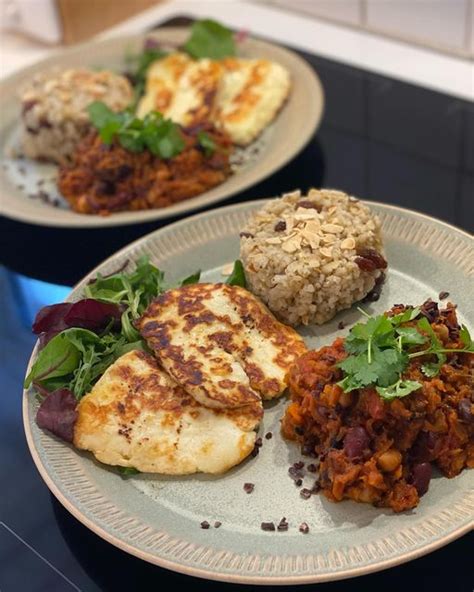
(308, 257)
(54, 109)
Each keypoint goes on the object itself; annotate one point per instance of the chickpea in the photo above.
(390, 460)
(345, 399)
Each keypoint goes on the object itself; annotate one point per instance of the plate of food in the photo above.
(133, 129)
(275, 392)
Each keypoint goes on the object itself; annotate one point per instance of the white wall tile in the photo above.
(440, 23)
(343, 11)
(470, 30)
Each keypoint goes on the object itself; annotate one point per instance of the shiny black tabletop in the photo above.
(380, 139)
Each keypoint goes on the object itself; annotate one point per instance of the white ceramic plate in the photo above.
(158, 518)
(279, 143)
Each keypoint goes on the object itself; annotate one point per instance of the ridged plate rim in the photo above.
(456, 246)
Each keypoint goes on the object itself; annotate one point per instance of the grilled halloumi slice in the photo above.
(220, 344)
(239, 96)
(162, 81)
(250, 94)
(137, 416)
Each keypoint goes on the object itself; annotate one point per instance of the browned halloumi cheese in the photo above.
(137, 416)
(251, 92)
(162, 82)
(182, 89)
(221, 344)
(239, 96)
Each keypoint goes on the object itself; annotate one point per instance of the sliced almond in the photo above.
(227, 269)
(289, 224)
(331, 210)
(306, 214)
(328, 239)
(332, 228)
(292, 245)
(274, 240)
(348, 243)
(326, 251)
(312, 227)
(291, 194)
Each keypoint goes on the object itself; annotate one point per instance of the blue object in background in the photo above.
(30, 295)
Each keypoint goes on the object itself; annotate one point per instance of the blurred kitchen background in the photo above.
(444, 25)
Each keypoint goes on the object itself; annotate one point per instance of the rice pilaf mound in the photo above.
(308, 257)
(54, 109)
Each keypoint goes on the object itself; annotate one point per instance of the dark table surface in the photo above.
(380, 139)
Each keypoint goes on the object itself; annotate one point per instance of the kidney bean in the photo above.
(421, 476)
(423, 447)
(355, 441)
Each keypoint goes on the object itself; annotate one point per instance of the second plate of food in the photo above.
(362, 433)
(242, 119)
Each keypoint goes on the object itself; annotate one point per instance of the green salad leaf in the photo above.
(210, 39)
(77, 357)
(59, 358)
(237, 277)
(127, 471)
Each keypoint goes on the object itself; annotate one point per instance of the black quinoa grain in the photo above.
(246, 235)
(295, 473)
(268, 526)
(283, 525)
(443, 295)
(249, 487)
(258, 442)
(280, 226)
(255, 452)
(299, 482)
(341, 325)
(305, 493)
(312, 468)
(304, 528)
(217, 523)
(268, 436)
(205, 524)
(299, 464)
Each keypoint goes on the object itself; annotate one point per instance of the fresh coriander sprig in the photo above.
(210, 39)
(379, 353)
(160, 136)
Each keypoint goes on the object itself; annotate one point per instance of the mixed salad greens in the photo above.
(381, 348)
(80, 340)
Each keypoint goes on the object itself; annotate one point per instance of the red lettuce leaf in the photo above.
(57, 413)
(91, 314)
(87, 313)
(51, 318)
